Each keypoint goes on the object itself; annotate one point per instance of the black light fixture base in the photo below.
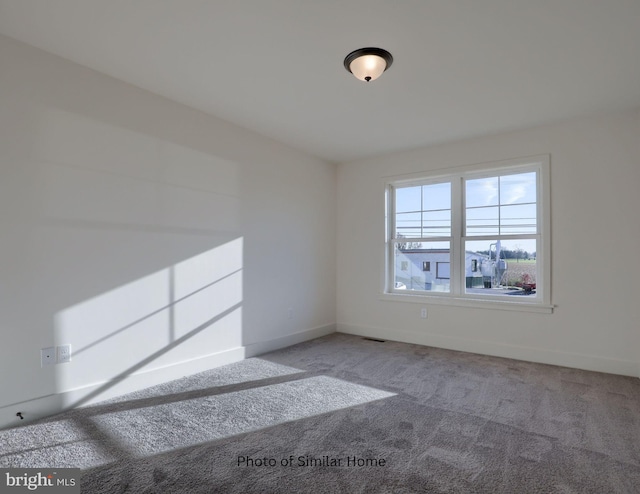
(384, 54)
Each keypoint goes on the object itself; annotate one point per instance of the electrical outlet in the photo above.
(47, 356)
(64, 354)
(423, 313)
(290, 313)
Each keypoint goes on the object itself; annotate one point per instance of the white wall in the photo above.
(155, 239)
(595, 175)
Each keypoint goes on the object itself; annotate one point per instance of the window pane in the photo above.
(515, 196)
(482, 192)
(436, 196)
(502, 268)
(518, 189)
(408, 199)
(436, 223)
(422, 268)
(408, 225)
(483, 221)
(443, 270)
(473, 233)
(518, 219)
(423, 211)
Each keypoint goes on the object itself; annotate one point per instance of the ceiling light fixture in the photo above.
(367, 64)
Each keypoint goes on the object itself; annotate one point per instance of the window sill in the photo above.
(474, 303)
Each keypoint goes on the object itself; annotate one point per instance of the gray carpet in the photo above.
(355, 416)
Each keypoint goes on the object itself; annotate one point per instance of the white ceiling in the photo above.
(461, 68)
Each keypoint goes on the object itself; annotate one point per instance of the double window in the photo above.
(478, 235)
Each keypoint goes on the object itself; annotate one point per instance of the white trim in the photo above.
(488, 302)
(260, 347)
(55, 403)
(457, 252)
(389, 211)
(516, 352)
(440, 173)
(456, 175)
(544, 210)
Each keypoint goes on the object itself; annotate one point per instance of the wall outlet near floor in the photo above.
(290, 313)
(423, 313)
(64, 354)
(48, 356)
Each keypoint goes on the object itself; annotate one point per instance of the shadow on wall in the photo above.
(95, 207)
(114, 204)
(103, 184)
(184, 312)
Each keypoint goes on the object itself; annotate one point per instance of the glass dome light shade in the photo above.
(367, 64)
(368, 67)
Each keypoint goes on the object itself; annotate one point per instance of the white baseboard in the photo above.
(55, 403)
(260, 347)
(564, 359)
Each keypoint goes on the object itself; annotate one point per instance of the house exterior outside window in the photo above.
(485, 229)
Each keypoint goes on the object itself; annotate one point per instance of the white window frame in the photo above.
(457, 295)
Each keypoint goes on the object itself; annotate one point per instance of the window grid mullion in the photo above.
(457, 213)
(458, 224)
(422, 211)
(391, 234)
(499, 206)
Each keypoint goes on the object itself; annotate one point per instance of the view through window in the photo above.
(473, 234)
